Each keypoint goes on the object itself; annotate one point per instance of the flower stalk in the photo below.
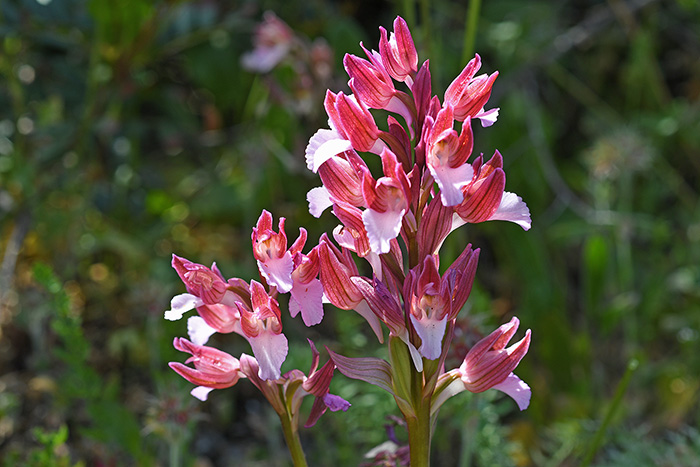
(290, 429)
(397, 220)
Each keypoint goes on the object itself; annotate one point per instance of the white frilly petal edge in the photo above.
(278, 272)
(201, 392)
(488, 117)
(319, 199)
(180, 304)
(517, 389)
(323, 145)
(198, 330)
(451, 180)
(382, 227)
(431, 333)
(270, 351)
(513, 209)
(307, 298)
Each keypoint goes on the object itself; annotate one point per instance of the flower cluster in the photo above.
(397, 220)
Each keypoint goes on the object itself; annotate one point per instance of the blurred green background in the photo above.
(129, 130)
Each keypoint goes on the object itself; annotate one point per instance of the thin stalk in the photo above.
(409, 12)
(291, 436)
(470, 31)
(617, 399)
(426, 26)
(624, 252)
(174, 460)
(419, 435)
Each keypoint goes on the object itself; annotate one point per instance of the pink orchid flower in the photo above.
(387, 201)
(489, 364)
(262, 327)
(398, 52)
(270, 250)
(468, 94)
(213, 369)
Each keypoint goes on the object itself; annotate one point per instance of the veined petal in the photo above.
(323, 145)
(278, 272)
(198, 330)
(513, 209)
(451, 180)
(270, 351)
(517, 389)
(382, 227)
(180, 304)
(319, 200)
(431, 332)
(307, 298)
(201, 392)
(368, 369)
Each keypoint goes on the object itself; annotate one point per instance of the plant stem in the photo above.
(174, 460)
(470, 31)
(419, 435)
(632, 365)
(291, 436)
(409, 12)
(426, 26)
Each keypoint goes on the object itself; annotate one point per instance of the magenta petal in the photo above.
(513, 209)
(307, 298)
(382, 227)
(517, 389)
(278, 272)
(270, 351)
(198, 330)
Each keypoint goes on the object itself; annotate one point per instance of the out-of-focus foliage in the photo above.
(129, 130)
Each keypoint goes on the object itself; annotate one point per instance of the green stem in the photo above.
(617, 399)
(291, 436)
(426, 26)
(409, 12)
(174, 460)
(419, 435)
(470, 31)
